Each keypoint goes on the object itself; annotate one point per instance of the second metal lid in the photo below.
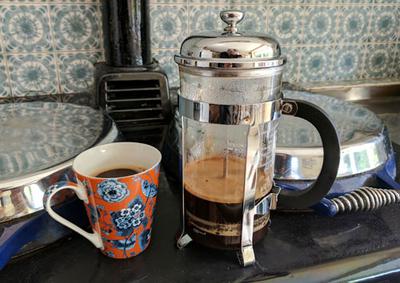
(230, 49)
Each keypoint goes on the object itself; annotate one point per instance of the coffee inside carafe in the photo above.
(214, 198)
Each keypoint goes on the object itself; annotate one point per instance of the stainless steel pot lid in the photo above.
(365, 144)
(230, 49)
(41, 135)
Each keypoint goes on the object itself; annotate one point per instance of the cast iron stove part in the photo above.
(130, 86)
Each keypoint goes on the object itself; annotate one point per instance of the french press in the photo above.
(230, 102)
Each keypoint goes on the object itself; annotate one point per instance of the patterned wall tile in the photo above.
(315, 64)
(255, 19)
(380, 61)
(384, 23)
(211, 2)
(25, 28)
(33, 74)
(319, 1)
(50, 45)
(286, 25)
(320, 24)
(354, 1)
(75, 26)
(248, 2)
(51, 1)
(167, 1)
(169, 25)
(286, 1)
(207, 19)
(387, 1)
(292, 63)
(4, 86)
(166, 60)
(353, 24)
(77, 71)
(396, 65)
(348, 63)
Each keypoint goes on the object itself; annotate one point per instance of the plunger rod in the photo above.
(225, 167)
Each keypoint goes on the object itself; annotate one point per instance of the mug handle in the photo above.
(331, 147)
(94, 237)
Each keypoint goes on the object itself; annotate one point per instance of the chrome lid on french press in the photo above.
(230, 49)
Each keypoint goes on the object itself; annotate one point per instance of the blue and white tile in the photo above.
(315, 64)
(33, 74)
(75, 27)
(380, 61)
(236, 3)
(289, 2)
(396, 65)
(384, 23)
(168, 65)
(5, 90)
(207, 19)
(50, 1)
(167, 1)
(319, 25)
(354, 1)
(286, 25)
(387, 1)
(324, 2)
(255, 18)
(348, 63)
(77, 71)
(292, 63)
(353, 24)
(25, 28)
(211, 2)
(169, 25)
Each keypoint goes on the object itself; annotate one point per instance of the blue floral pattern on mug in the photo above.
(144, 238)
(111, 190)
(129, 218)
(94, 215)
(149, 189)
(125, 244)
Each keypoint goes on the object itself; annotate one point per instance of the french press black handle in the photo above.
(331, 147)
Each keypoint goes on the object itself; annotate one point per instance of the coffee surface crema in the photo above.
(206, 179)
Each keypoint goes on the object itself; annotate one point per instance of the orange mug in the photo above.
(120, 209)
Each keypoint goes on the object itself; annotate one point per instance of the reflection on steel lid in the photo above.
(365, 144)
(353, 122)
(217, 50)
(39, 135)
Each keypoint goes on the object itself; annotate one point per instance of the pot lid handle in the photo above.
(231, 18)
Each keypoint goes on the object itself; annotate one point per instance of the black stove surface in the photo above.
(295, 241)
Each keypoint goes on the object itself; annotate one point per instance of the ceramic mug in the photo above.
(121, 209)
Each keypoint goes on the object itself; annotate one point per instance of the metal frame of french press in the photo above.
(252, 115)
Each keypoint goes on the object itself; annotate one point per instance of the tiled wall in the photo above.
(49, 46)
(331, 40)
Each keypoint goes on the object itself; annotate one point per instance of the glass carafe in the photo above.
(230, 103)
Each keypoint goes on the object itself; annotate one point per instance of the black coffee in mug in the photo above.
(214, 201)
(119, 172)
